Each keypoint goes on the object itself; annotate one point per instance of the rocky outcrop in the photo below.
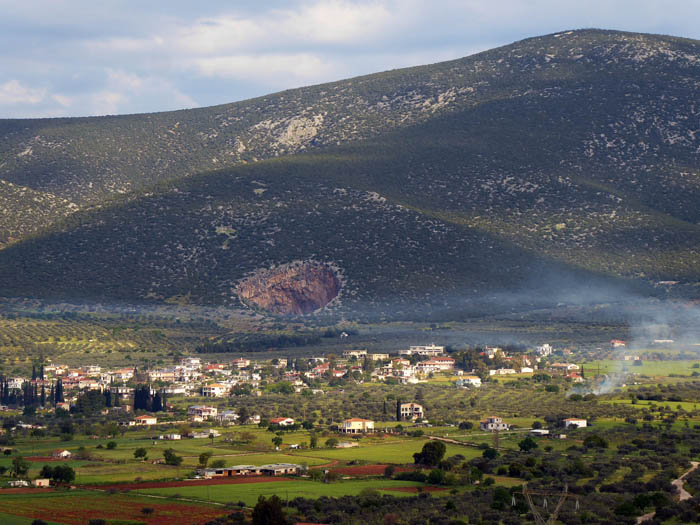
(295, 288)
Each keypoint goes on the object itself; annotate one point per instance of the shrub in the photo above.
(171, 458)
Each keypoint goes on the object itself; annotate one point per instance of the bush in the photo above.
(527, 444)
(414, 475)
(595, 441)
(436, 477)
(490, 453)
(111, 445)
(431, 454)
(171, 458)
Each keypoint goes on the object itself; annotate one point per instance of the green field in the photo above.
(648, 368)
(641, 404)
(249, 492)
(399, 452)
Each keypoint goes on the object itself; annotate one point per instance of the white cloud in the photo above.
(72, 58)
(13, 92)
(265, 68)
(321, 22)
(334, 22)
(126, 92)
(106, 102)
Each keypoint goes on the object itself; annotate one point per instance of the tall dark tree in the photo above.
(59, 392)
(398, 410)
(142, 395)
(432, 453)
(269, 512)
(157, 404)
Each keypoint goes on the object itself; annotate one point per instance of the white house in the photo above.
(61, 454)
(242, 362)
(436, 364)
(429, 350)
(227, 416)
(282, 421)
(526, 370)
(214, 390)
(474, 381)
(347, 354)
(544, 350)
(357, 426)
(145, 420)
(205, 434)
(565, 366)
(411, 411)
(493, 423)
(573, 422)
(501, 372)
(202, 411)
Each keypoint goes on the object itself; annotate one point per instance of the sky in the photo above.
(77, 58)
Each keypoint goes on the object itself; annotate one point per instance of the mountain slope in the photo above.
(85, 160)
(541, 167)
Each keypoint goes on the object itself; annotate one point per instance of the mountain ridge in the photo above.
(583, 166)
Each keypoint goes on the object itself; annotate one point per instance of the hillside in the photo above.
(539, 167)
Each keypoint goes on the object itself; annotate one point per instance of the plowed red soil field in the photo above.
(188, 483)
(366, 470)
(415, 489)
(42, 459)
(79, 509)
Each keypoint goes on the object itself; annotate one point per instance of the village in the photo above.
(427, 417)
(58, 387)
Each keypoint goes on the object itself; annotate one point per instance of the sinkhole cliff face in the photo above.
(291, 289)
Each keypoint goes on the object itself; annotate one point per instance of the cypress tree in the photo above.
(59, 392)
(157, 403)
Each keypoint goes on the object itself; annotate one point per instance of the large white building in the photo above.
(411, 411)
(357, 426)
(214, 390)
(493, 423)
(202, 411)
(430, 350)
(573, 422)
(436, 364)
(469, 381)
(347, 354)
